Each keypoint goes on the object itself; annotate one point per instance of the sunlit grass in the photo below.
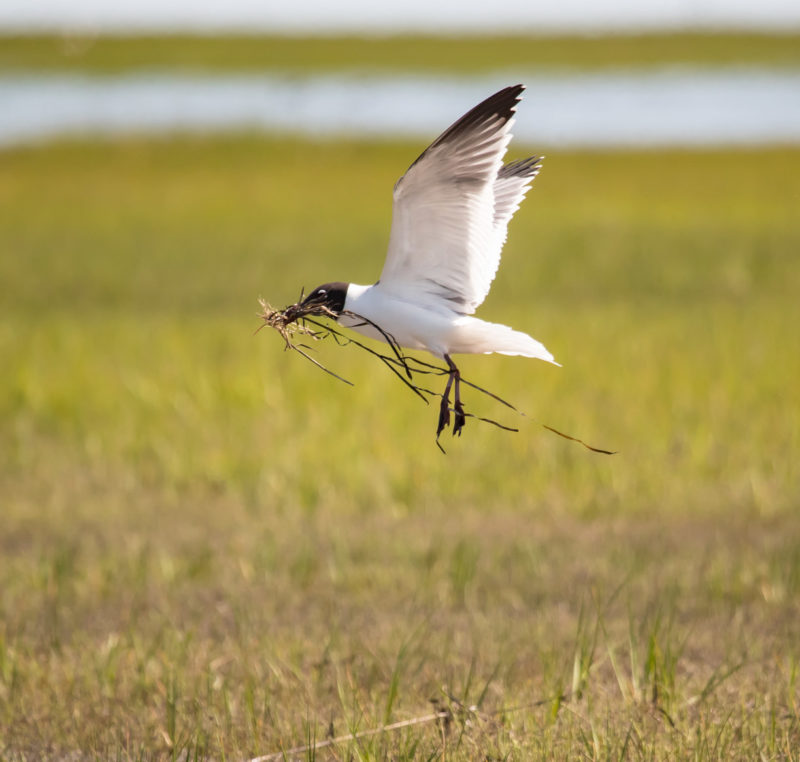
(89, 53)
(209, 545)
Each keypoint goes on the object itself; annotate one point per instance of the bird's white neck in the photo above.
(355, 292)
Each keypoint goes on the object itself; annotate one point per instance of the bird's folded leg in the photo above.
(458, 408)
(444, 408)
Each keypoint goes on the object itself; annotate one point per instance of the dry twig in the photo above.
(352, 737)
(446, 712)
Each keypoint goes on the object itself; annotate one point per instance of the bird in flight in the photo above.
(450, 215)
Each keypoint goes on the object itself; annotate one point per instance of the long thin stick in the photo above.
(297, 349)
(352, 737)
(390, 362)
(445, 715)
(579, 441)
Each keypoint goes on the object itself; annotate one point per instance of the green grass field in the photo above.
(88, 53)
(211, 549)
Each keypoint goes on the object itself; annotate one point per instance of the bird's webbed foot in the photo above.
(444, 416)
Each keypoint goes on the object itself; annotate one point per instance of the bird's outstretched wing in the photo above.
(452, 208)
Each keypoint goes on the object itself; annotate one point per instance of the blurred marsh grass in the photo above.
(85, 52)
(211, 547)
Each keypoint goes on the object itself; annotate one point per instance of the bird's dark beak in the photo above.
(313, 302)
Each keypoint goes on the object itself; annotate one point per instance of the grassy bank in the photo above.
(88, 53)
(210, 545)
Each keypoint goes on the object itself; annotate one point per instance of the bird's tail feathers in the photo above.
(495, 337)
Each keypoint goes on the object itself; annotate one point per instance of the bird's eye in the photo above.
(322, 291)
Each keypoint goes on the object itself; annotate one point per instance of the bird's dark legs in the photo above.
(458, 408)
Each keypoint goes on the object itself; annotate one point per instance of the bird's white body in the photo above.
(433, 327)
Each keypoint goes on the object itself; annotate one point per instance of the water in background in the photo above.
(674, 106)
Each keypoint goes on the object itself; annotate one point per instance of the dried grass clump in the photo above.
(291, 319)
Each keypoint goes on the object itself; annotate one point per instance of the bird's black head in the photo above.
(330, 295)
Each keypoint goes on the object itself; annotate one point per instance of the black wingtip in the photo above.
(501, 105)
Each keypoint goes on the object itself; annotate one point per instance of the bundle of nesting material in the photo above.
(290, 320)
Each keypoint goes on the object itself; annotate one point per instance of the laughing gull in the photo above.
(449, 219)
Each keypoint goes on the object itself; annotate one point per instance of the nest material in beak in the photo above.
(289, 320)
